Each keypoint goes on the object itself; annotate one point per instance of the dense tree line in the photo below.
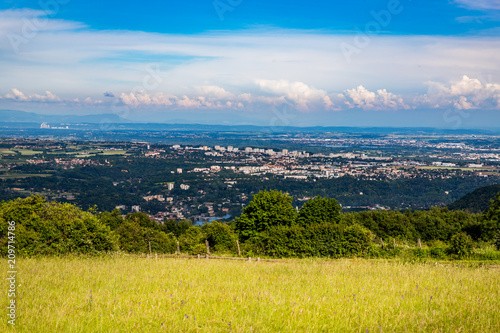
(268, 226)
(477, 200)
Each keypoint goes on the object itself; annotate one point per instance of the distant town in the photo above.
(207, 175)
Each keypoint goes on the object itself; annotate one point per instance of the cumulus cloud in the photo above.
(299, 68)
(271, 93)
(141, 98)
(464, 94)
(87, 101)
(17, 95)
(479, 4)
(215, 91)
(362, 98)
(304, 96)
(214, 98)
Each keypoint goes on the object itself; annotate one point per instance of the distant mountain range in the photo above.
(24, 119)
(13, 116)
(477, 201)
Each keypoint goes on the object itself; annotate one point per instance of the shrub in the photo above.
(137, 239)
(317, 240)
(420, 253)
(220, 236)
(192, 241)
(438, 252)
(285, 241)
(461, 245)
(496, 240)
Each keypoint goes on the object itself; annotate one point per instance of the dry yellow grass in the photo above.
(135, 294)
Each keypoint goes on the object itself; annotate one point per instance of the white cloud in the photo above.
(479, 4)
(272, 93)
(304, 96)
(141, 99)
(463, 103)
(466, 93)
(17, 95)
(28, 21)
(215, 91)
(224, 70)
(362, 98)
(66, 57)
(20, 26)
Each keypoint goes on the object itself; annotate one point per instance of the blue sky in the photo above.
(418, 17)
(379, 63)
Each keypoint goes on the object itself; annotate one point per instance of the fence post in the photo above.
(208, 247)
(419, 243)
(178, 248)
(238, 246)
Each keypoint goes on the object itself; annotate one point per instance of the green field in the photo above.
(136, 294)
(23, 175)
(28, 152)
(438, 167)
(92, 153)
(113, 152)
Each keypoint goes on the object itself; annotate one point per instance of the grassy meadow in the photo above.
(126, 293)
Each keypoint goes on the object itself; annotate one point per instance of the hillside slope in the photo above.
(476, 201)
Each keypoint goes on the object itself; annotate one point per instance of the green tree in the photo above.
(319, 210)
(266, 209)
(51, 228)
(491, 221)
(143, 220)
(112, 219)
(245, 227)
(177, 227)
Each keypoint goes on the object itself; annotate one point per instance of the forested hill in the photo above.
(476, 201)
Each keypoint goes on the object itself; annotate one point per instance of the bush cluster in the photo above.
(268, 226)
